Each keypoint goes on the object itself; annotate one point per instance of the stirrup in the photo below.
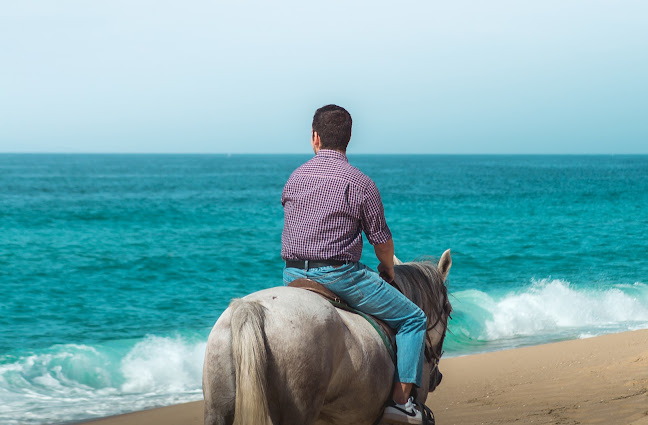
(426, 413)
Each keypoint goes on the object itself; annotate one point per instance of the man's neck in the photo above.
(329, 149)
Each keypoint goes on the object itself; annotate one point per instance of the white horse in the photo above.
(285, 356)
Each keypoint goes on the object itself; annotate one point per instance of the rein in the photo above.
(430, 353)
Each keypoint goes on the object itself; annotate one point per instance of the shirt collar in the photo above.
(329, 153)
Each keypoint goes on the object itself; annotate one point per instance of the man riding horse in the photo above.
(327, 205)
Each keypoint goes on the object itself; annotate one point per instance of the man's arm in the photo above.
(385, 254)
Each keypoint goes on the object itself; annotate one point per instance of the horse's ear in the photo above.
(444, 264)
(397, 262)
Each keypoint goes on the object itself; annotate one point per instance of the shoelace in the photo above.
(409, 405)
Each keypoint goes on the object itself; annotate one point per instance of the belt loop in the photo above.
(306, 264)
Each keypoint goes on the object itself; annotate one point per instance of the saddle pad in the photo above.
(387, 334)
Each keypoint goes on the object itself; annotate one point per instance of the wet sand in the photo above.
(602, 380)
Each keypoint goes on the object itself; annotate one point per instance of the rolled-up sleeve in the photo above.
(373, 216)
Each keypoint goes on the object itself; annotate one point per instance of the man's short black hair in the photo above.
(333, 124)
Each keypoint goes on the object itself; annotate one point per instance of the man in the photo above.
(327, 205)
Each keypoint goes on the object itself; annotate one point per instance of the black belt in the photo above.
(308, 264)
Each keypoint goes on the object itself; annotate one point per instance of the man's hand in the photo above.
(386, 272)
(385, 254)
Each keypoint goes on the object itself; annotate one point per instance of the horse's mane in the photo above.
(421, 282)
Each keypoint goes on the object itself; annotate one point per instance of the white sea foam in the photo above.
(76, 382)
(549, 306)
(163, 364)
(543, 311)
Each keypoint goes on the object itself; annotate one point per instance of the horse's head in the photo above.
(423, 282)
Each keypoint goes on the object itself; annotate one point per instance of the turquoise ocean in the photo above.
(114, 268)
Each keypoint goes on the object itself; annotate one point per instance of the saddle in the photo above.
(387, 334)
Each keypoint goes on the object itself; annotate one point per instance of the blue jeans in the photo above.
(364, 290)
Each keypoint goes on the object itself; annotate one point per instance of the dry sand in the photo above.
(602, 380)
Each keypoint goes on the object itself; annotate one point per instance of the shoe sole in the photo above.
(387, 419)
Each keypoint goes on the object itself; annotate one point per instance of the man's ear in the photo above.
(315, 141)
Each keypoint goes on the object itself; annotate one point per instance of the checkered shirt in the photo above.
(327, 205)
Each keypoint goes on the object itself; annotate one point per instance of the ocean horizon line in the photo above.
(227, 154)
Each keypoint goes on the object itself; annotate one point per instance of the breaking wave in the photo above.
(546, 310)
(76, 382)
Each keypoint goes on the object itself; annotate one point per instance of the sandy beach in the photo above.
(602, 380)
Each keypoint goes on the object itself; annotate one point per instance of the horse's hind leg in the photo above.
(297, 401)
(219, 402)
(219, 378)
(293, 416)
(213, 417)
(296, 392)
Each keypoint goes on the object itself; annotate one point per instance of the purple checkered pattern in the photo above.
(327, 205)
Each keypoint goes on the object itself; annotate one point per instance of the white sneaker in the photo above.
(401, 413)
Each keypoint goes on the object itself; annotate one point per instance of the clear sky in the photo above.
(499, 76)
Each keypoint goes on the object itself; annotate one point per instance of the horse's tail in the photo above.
(250, 362)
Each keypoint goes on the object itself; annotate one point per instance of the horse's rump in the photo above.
(315, 355)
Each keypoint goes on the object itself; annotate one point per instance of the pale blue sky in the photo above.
(551, 76)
